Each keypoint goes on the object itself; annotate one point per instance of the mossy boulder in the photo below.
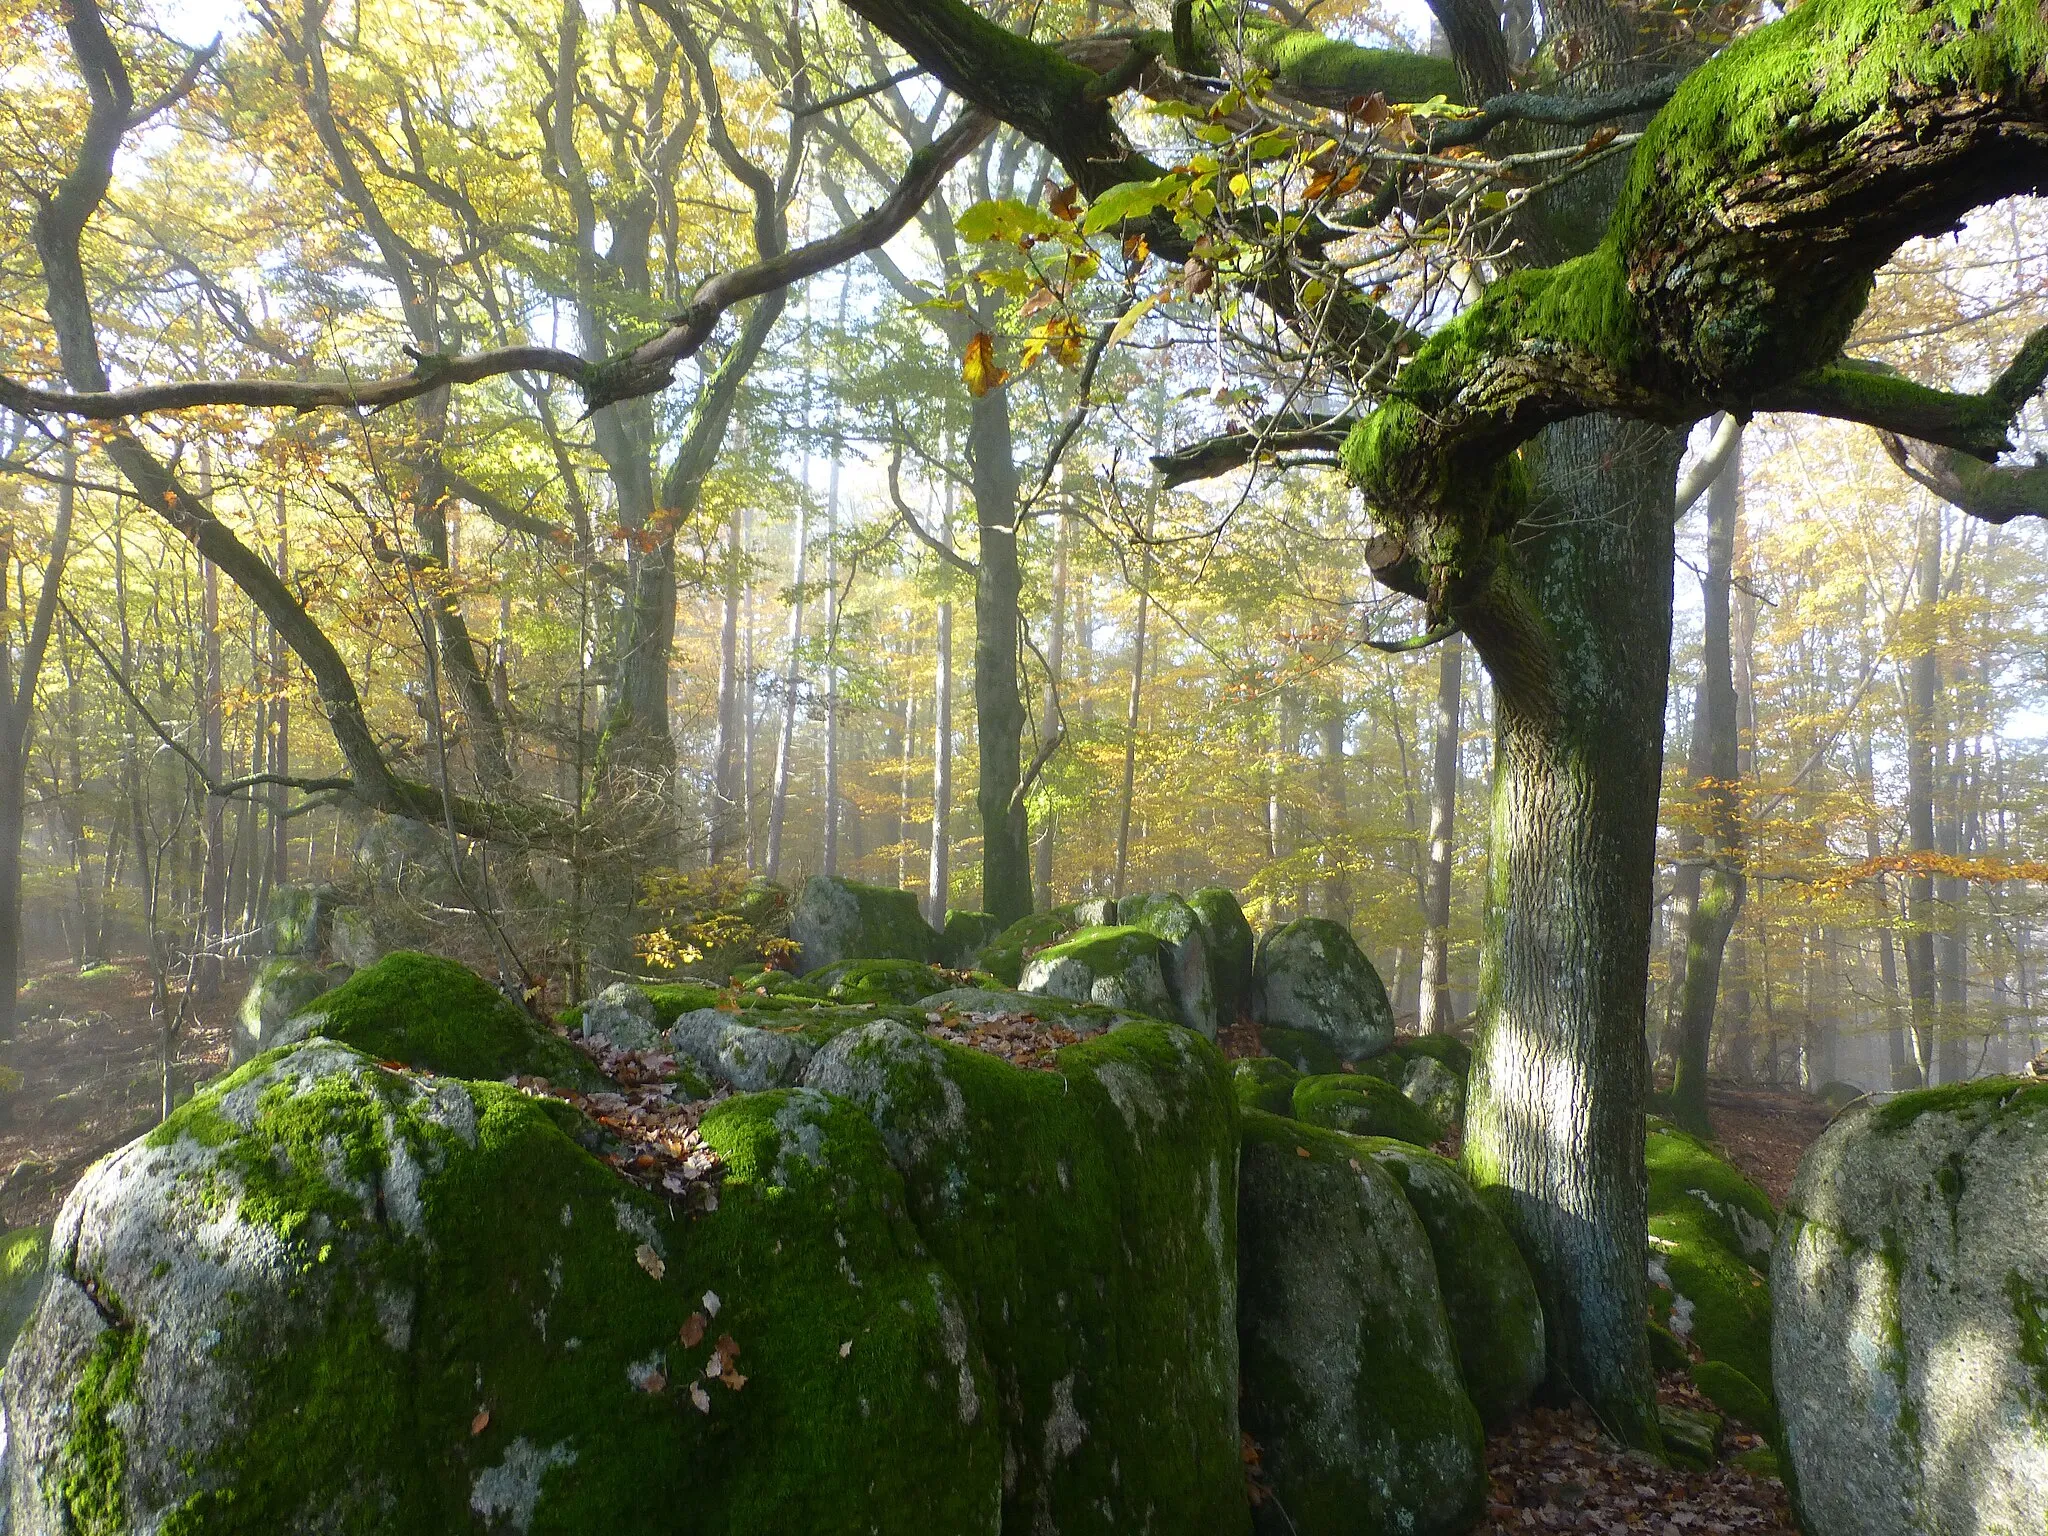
(330, 1296)
(970, 1004)
(1430, 1070)
(1265, 1083)
(744, 1058)
(24, 1259)
(1360, 1104)
(1184, 955)
(1117, 967)
(1311, 1055)
(1231, 951)
(1710, 1238)
(877, 981)
(1311, 975)
(623, 1015)
(280, 990)
(1087, 1215)
(440, 1016)
(300, 920)
(834, 919)
(1489, 1296)
(1003, 956)
(1910, 1328)
(1692, 1182)
(966, 935)
(1691, 1438)
(1352, 1390)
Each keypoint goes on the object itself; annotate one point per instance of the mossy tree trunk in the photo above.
(998, 700)
(1554, 1130)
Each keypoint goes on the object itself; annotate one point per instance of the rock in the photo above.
(1087, 1216)
(876, 981)
(1910, 1336)
(1186, 955)
(622, 1014)
(24, 1260)
(1097, 912)
(834, 919)
(1691, 1438)
(1306, 1053)
(1710, 1231)
(354, 940)
(1310, 975)
(1737, 1396)
(967, 933)
(1352, 1390)
(1003, 956)
(301, 918)
(1435, 1090)
(1231, 951)
(1264, 1082)
(327, 1296)
(281, 989)
(440, 1016)
(1489, 1297)
(1083, 1019)
(745, 1059)
(1840, 1096)
(1362, 1105)
(1116, 967)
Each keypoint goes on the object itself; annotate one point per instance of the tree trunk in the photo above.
(1714, 771)
(280, 720)
(1137, 698)
(939, 882)
(725, 792)
(1436, 1014)
(1337, 810)
(1050, 724)
(998, 701)
(778, 805)
(1555, 1126)
(1923, 682)
(830, 861)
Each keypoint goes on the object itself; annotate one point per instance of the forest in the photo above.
(1184, 765)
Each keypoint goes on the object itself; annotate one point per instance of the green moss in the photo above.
(965, 935)
(1731, 1301)
(1977, 1098)
(1306, 1053)
(1086, 1214)
(1667, 1350)
(834, 919)
(92, 1466)
(1231, 950)
(1691, 1439)
(1687, 1178)
(1489, 1297)
(1738, 1397)
(876, 981)
(1264, 1083)
(440, 1016)
(1362, 1105)
(1003, 956)
(1306, 62)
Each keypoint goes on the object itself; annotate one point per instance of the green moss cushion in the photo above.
(1710, 1297)
(1308, 1054)
(24, 1257)
(834, 919)
(1687, 1178)
(280, 990)
(967, 1004)
(1488, 1294)
(1003, 956)
(1311, 975)
(1184, 955)
(1087, 1215)
(967, 933)
(1231, 949)
(440, 1016)
(1362, 1105)
(1352, 1390)
(329, 1296)
(1266, 1083)
(1121, 968)
(876, 981)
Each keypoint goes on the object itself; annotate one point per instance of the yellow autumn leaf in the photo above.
(978, 368)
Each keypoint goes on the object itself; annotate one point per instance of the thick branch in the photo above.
(1233, 450)
(1995, 493)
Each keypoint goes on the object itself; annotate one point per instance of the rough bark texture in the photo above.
(998, 702)
(1554, 1127)
(1438, 1017)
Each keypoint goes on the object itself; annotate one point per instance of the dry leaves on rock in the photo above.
(653, 1123)
(1021, 1039)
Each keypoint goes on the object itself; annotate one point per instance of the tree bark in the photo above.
(725, 790)
(998, 700)
(1050, 723)
(1555, 1125)
(939, 886)
(792, 678)
(1923, 683)
(1714, 770)
(1436, 1014)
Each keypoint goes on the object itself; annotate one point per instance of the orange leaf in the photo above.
(481, 1422)
(979, 368)
(693, 1329)
(1066, 203)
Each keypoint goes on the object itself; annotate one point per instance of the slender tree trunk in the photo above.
(1128, 792)
(213, 747)
(998, 699)
(1336, 804)
(778, 805)
(832, 766)
(1437, 1016)
(1055, 657)
(280, 719)
(939, 880)
(725, 792)
(1714, 768)
(1924, 681)
(1555, 1126)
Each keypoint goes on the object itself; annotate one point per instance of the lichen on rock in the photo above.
(834, 919)
(1310, 975)
(1123, 968)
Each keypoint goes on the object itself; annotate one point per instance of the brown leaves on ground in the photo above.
(652, 1122)
(1021, 1039)
(1765, 1130)
(1553, 1469)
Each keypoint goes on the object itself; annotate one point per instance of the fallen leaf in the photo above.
(712, 1303)
(714, 1367)
(700, 1397)
(653, 1382)
(693, 1329)
(481, 1422)
(1301, 1152)
(733, 1380)
(650, 1261)
(846, 1349)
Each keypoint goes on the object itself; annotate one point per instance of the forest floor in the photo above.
(90, 1058)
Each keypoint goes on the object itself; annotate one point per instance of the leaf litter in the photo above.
(1021, 1039)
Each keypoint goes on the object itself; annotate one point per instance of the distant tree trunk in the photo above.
(903, 817)
(280, 720)
(1128, 792)
(1554, 1131)
(1901, 1069)
(1337, 841)
(1952, 943)
(792, 678)
(749, 708)
(940, 880)
(831, 853)
(213, 900)
(725, 789)
(1436, 1015)
(1714, 769)
(1924, 682)
(17, 712)
(1055, 657)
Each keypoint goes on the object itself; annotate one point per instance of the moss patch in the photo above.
(1309, 1054)
(1264, 1083)
(1362, 1105)
(876, 981)
(1231, 950)
(1688, 1178)
(440, 1016)
(1003, 956)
